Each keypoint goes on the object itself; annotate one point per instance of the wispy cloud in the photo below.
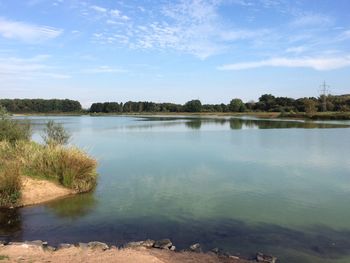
(104, 69)
(312, 20)
(316, 63)
(194, 27)
(111, 14)
(98, 9)
(296, 50)
(24, 68)
(27, 32)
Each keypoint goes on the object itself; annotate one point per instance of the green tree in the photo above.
(310, 107)
(193, 106)
(54, 133)
(237, 105)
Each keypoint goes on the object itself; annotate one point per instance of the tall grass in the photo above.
(10, 183)
(67, 166)
(12, 130)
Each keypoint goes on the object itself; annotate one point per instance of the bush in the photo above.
(70, 167)
(12, 130)
(55, 133)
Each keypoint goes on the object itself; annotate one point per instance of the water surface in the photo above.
(241, 184)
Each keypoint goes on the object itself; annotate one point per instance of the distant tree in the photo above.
(40, 105)
(237, 105)
(267, 102)
(310, 107)
(193, 106)
(250, 105)
(96, 107)
(54, 133)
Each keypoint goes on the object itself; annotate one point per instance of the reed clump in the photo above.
(10, 183)
(65, 165)
(68, 166)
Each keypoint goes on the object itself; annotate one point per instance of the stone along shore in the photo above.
(147, 251)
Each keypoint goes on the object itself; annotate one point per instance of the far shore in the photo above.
(270, 115)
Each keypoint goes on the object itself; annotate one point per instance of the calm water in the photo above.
(244, 185)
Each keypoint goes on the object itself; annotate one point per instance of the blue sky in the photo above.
(173, 51)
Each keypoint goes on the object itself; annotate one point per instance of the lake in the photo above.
(241, 184)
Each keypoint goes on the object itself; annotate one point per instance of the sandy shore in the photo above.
(33, 253)
(35, 191)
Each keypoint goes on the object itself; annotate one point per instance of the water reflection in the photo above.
(10, 224)
(236, 123)
(319, 243)
(73, 207)
(195, 124)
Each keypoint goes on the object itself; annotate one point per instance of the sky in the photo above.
(173, 51)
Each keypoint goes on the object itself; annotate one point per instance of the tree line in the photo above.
(40, 105)
(266, 102)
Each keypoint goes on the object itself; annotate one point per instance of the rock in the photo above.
(196, 248)
(83, 245)
(163, 244)
(2, 243)
(64, 245)
(172, 248)
(133, 244)
(50, 248)
(215, 250)
(97, 245)
(148, 243)
(260, 257)
(113, 247)
(37, 243)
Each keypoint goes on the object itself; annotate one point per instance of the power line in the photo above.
(325, 90)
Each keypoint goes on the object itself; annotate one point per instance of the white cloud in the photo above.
(104, 69)
(296, 50)
(345, 35)
(27, 68)
(98, 9)
(316, 63)
(312, 20)
(27, 32)
(193, 27)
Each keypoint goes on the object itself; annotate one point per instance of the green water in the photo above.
(244, 185)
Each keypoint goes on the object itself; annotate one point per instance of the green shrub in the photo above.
(68, 166)
(55, 133)
(12, 130)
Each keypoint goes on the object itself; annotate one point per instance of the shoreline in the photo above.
(160, 251)
(269, 115)
(40, 191)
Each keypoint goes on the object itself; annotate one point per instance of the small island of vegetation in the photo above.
(22, 159)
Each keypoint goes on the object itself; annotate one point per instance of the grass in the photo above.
(10, 183)
(67, 166)
(329, 115)
(3, 257)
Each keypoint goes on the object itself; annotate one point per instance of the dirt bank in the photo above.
(32, 253)
(35, 191)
